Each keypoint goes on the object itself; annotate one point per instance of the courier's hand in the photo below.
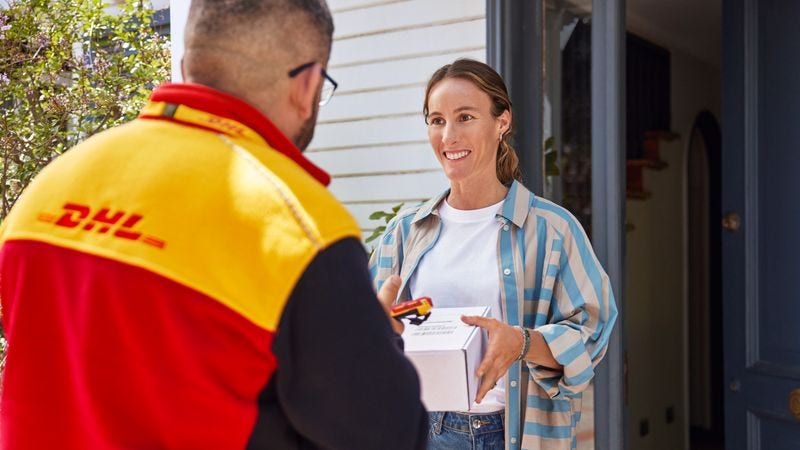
(505, 343)
(386, 295)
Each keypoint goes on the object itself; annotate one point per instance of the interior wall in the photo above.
(655, 291)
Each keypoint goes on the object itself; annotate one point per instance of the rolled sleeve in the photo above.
(569, 350)
(582, 315)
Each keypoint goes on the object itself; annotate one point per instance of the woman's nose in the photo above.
(449, 135)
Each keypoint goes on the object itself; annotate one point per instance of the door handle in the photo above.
(731, 222)
(794, 403)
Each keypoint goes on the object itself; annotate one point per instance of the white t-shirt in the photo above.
(461, 270)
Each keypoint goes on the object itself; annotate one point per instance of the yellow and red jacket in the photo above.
(169, 283)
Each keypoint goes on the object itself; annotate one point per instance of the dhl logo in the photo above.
(226, 125)
(118, 223)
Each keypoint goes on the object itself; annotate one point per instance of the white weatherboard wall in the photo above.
(371, 137)
(178, 15)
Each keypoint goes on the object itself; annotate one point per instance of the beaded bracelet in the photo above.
(526, 344)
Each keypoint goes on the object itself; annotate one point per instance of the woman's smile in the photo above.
(455, 155)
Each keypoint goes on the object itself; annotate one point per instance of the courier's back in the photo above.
(145, 271)
(170, 283)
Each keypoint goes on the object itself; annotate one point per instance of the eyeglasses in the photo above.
(329, 85)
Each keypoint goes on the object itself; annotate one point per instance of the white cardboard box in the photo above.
(446, 352)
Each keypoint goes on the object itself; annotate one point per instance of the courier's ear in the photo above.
(304, 90)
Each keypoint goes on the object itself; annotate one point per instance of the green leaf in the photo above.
(377, 215)
(551, 163)
(376, 233)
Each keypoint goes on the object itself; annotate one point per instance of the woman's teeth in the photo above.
(456, 155)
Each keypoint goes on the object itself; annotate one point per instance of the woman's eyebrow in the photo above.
(457, 110)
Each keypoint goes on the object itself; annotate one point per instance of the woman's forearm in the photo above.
(539, 352)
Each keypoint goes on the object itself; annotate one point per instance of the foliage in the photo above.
(69, 69)
(386, 216)
(550, 158)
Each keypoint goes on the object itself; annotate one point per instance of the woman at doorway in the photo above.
(488, 241)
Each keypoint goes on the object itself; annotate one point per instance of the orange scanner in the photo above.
(416, 311)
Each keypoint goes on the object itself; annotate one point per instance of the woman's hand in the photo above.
(505, 343)
(386, 296)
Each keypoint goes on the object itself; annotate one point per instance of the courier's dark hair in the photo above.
(489, 81)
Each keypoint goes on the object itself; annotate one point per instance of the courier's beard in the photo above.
(306, 133)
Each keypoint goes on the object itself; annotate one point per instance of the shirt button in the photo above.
(505, 227)
(513, 384)
(513, 440)
(507, 271)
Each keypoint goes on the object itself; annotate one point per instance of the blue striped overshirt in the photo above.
(551, 281)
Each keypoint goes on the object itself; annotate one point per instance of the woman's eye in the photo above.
(437, 121)
(466, 117)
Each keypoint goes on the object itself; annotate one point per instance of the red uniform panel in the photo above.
(140, 360)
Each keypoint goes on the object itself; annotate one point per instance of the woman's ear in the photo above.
(504, 122)
(304, 91)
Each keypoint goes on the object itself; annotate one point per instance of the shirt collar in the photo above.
(430, 206)
(515, 207)
(204, 107)
(518, 203)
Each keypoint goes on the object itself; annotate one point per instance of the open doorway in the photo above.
(673, 61)
(673, 316)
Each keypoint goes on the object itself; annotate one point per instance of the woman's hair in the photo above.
(490, 82)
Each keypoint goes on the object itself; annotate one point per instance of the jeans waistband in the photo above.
(469, 423)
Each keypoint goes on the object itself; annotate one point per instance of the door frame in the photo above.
(511, 26)
(740, 126)
(608, 207)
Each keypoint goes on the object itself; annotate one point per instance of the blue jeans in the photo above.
(463, 431)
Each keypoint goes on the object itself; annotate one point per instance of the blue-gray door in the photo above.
(761, 217)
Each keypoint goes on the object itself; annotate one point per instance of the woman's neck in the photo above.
(468, 196)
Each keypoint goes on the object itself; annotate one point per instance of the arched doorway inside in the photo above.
(704, 297)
